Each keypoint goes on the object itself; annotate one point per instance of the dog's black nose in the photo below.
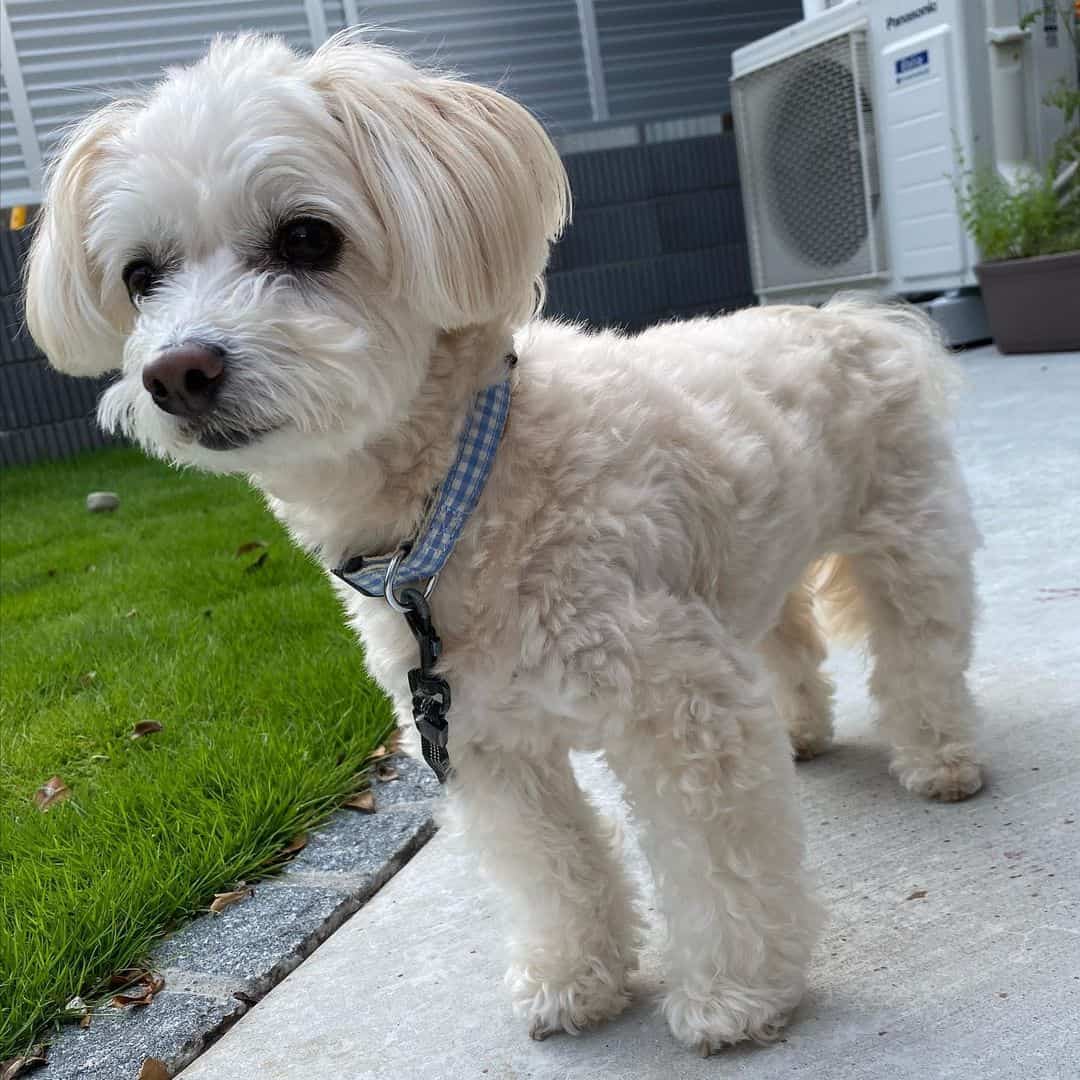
(185, 380)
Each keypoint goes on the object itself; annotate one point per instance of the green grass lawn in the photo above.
(109, 620)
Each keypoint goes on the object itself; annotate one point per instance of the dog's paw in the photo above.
(807, 743)
(707, 1024)
(946, 781)
(807, 714)
(571, 1004)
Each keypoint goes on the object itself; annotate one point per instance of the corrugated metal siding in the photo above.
(674, 58)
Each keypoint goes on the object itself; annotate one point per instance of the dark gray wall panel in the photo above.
(32, 393)
(609, 234)
(603, 177)
(674, 243)
(625, 294)
(12, 248)
(693, 164)
(15, 341)
(50, 441)
(700, 219)
(43, 414)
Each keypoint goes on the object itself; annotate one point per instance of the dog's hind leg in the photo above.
(802, 693)
(575, 930)
(914, 574)
(708, 771)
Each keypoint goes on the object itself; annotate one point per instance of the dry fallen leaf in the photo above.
(17, 1066)
(154, 1069)
(84, 1021)
(54, 790)
(250, 546)
(386, 772)
(916, 894)
(122, 1001)
(87, 678)
(142, 985)
(297, 843)
(378, 752)
(143, 997)
(145, 727)
(362, 800)
(132, 613)
(222, 900)
(126, 976)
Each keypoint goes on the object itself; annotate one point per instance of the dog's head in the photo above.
(268, 245)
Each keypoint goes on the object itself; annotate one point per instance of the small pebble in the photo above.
(99, 501)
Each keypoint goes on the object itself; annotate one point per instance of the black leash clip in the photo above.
(430, 692)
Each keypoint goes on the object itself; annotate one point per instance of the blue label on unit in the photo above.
(912, 65)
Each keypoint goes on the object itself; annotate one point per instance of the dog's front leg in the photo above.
(707, 768)
(574, 928)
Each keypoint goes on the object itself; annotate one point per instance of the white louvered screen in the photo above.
(532, 48)
(674, 58)
(75, 54)
(14, 182)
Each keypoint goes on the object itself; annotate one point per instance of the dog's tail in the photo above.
(838, 602)
(904, 332)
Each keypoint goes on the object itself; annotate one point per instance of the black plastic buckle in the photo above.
(431, 703)
(430, 692)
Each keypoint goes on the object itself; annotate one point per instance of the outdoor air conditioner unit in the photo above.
(852, 125)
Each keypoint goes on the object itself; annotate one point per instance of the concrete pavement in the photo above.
(979, 977)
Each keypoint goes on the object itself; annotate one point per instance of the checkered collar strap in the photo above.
(419, 561)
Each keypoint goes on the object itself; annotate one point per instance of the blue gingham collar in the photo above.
(419, 560)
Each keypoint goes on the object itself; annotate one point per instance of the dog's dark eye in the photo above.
(140, 277)
(308, 244)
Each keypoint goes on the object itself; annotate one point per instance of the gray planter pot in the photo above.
(1033, 304)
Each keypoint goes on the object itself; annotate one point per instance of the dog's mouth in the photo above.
(218, 437)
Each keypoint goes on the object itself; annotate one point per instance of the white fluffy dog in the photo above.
(334, 253)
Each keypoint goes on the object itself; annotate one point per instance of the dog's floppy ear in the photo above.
(466, 185)
(65, 308)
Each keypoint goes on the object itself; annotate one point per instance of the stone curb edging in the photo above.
(217, 966)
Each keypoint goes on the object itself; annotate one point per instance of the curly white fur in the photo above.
(633, 578)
